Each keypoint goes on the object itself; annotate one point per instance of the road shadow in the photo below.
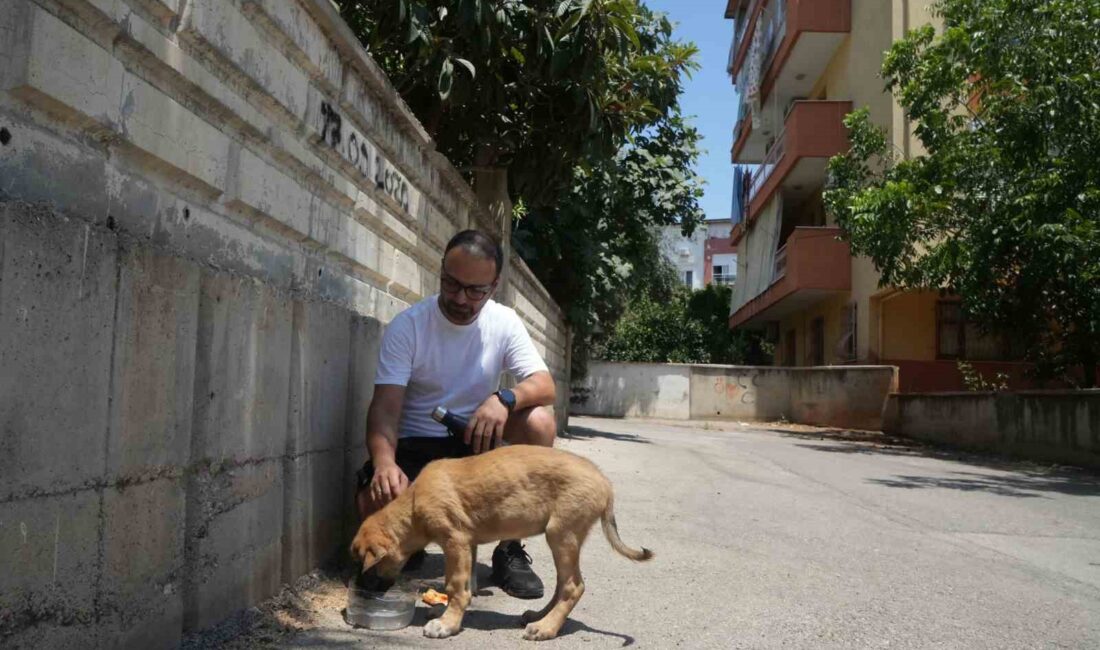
(845, 435)
(1020, 483)
(575, 432)
(1014, 477)
(487, 620)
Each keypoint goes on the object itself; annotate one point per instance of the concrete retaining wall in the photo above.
(848, 396)
(209, 210)
(1059, 426)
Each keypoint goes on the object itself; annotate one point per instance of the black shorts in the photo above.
(414, 453)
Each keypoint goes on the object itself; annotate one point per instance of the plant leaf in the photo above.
(446, 79)
(469, 66)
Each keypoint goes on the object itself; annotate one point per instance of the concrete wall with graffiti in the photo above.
(209, 210)
(841, 396)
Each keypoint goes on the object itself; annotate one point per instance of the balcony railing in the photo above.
(765, 169)
(812, 129)
(726, 279)
(813, 262)
(742, 100)
(740, 29)
(733, 47)
(780, 269)
(774, 22)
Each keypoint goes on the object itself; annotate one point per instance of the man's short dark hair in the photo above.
(478, 244)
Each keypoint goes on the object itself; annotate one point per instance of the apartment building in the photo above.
(800, 66)
(707, 257)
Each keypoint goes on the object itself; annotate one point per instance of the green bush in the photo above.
(690, 327)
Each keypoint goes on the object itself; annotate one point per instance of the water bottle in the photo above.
(455, 423)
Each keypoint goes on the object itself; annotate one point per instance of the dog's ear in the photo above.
(373, 555)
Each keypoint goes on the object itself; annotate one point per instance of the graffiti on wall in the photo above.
(358, 151)
(741, 388)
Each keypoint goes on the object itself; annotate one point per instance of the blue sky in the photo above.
(709, 95)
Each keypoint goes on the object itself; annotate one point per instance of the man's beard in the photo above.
(458, 312)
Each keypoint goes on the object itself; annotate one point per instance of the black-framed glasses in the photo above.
(473, 291)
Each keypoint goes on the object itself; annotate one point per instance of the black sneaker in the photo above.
(512, 572)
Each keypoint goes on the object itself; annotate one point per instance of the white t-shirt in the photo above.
(455, 366)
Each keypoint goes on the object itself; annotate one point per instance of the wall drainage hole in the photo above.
(5, 136)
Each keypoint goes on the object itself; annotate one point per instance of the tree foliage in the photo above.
(535, 87)
(1005, 207)
(688, 327)
(600, 246)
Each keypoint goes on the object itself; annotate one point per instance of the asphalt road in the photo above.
(781, 539)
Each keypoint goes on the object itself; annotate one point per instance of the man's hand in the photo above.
(388, 482)
(487, 425)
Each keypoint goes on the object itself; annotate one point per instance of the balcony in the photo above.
(724, 279)
(749, 14)
(811, 266)
(813, 132)
(798, 39)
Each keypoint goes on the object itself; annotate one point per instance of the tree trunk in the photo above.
(491, 188)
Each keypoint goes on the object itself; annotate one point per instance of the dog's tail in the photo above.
(611, 530)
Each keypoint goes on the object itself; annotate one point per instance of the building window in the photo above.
(817, 341)
(958, 339)
(688, 277)
(724, 274)
(846, 348)
(949, 331)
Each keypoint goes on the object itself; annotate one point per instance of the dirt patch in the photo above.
(311, 602)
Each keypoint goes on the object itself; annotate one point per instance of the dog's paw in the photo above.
(530, 616)
(359, 547)
(435, 629)
(539, 632)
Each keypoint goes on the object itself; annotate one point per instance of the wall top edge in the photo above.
(347, 43)
(326, 14)
(1058, 392)
(715, 366)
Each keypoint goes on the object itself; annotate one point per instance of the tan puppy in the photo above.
(509, 493)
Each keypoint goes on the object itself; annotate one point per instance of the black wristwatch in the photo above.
(507, 398)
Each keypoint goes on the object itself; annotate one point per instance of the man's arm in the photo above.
(382, 420)
(488, 422)
(536, 390)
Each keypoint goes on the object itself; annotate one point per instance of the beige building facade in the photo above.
(800, 66)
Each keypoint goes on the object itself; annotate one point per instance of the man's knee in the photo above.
(533, 426)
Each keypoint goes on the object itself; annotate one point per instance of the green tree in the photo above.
(710, 307)
(1005, 207)
(687, 327)
(600, 246)
(658, 332)
(531, 87)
